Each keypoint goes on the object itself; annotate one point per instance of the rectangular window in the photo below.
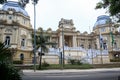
(7, 41)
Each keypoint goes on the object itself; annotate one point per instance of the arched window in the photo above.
(7, 40)
(21, 56)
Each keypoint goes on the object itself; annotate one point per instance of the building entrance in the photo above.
(68, 41)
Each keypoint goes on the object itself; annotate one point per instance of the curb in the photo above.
(71, 70)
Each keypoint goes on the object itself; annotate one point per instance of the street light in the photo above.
(62, 22)
(23, 4)
(34, 3)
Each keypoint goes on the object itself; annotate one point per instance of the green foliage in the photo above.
(79, 62)
(42, 40)
(45, 64)
(82, 66)
(8, 72)
(18, 62)
(113, 7)
(72, 61)
(68, 66)
(75, 62)
(5, 54)
(115, 60)
(2, 1)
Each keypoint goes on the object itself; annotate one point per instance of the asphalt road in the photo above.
(97, 75)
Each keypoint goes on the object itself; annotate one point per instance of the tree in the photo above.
(42, 41)
(112, 6)
(2, 1)
(5, 54)
(7, 70)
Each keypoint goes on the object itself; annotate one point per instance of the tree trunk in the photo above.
(40, 62)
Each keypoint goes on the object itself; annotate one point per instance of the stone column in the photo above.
(74, 41)
(15, 34)
(60, 41)
(98, 43)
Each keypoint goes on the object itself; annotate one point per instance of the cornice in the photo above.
(23, 50)
(15, 24)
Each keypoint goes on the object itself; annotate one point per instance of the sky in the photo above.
(50, 12)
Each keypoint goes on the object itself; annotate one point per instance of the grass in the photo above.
(68, 66)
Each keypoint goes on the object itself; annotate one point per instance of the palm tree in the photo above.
(41, 43)
(5, 54)
(7, 70)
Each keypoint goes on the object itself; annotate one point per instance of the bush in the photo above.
(74, 61)
(79, 62)
(18, 62)
(115, 60)
(45, 64)
(8, 72)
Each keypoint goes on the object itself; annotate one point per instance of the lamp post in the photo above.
(60, 57)
(23, 4)
(62, 43)
(34, 3)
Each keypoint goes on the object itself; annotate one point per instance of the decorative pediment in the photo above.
(23, 36)
(23, 33)
(66, 23)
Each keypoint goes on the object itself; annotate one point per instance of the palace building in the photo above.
(101, 44)
(16, 29)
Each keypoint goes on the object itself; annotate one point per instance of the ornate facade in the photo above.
(16, 30)
(75, 42)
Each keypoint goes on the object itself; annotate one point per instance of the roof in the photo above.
(101, 20)
(14, 5)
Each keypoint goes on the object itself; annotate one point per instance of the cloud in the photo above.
(49, 13)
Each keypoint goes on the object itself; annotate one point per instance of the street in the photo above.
(78, 75)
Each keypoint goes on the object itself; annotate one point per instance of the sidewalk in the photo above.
(71, 70)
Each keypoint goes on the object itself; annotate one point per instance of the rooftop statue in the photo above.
(23, 2)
